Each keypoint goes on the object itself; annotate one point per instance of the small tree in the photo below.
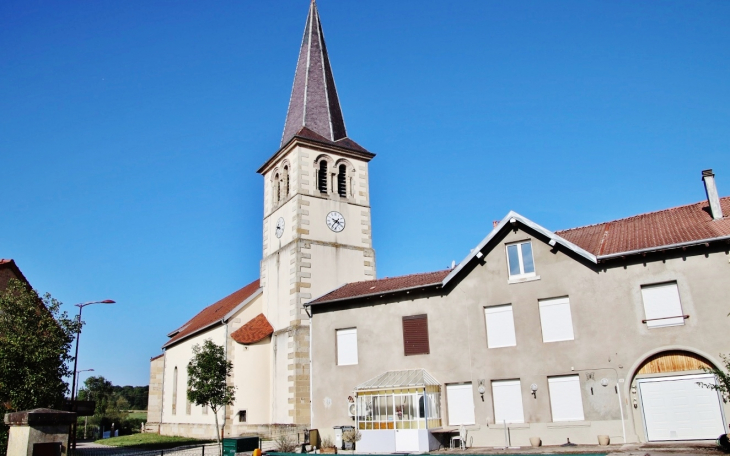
(207, 374)
(35, 345)
(722, 378)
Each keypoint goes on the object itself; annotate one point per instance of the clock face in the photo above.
(335, 221)
(279, 227)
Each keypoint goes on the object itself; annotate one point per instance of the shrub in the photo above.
(327, 442)
(285, 444)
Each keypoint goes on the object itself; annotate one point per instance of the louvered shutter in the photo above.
(415, 335)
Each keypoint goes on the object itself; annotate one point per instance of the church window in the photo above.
(174, 391)
(286, 181)
(342, 181)
(241, 416)
(277, 189)
(322, 177)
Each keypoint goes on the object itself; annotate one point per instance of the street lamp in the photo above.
(76, 359)
(78, 376)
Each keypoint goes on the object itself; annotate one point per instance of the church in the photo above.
(589, 334)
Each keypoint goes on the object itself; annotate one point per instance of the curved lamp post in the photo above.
(78, 379)
(76, 359)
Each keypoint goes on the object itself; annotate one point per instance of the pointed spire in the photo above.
(314, 103)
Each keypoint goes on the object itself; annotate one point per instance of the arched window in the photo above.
(277, 189)
(322, 177)
(174, 391)
(342, 181)
(286, 181)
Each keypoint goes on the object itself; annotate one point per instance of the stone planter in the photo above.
(604, 440)
(332, 450)
(535, 441)
(349, 445)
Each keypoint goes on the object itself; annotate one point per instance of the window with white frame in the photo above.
(566, 402)
(507, 399)
(346, 346)
(661, 305)
(520, 261)
(460, 404)
(500, 326)
(555, 319)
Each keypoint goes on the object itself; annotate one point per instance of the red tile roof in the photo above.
(684, 224)
(386, 285)
(255, 330)
(213, 313)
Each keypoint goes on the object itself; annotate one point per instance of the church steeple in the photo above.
(314, 103)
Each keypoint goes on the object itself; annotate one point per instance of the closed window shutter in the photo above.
(565, 398)
(346, 347)
(507, 398)
(415, 335)
(500, 326)
(460, 404)
(661, 305)
(556, 321)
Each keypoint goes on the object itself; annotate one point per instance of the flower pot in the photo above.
(535, 441)
(349, 445)
(604, 440)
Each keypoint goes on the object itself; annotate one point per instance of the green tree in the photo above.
(207, 374)
(100, 390)
(35, 344)
(722, 378)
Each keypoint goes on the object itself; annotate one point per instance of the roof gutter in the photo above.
(370, 295)
(663, 247)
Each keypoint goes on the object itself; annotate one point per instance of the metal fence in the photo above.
(198, 450)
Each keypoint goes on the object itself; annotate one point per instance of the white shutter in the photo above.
(346, 346)
(460, 404)
(556, 321)
(661, 302)
(565, 398)
(500, 326)
(507, 398)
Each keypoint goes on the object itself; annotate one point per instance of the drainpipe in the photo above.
(311, 373)
(225, 356)
(162, 397)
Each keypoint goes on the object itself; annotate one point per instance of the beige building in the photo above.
(598, 330)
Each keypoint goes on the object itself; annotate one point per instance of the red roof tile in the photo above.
(684, 224)
(213, 313)
(255, 330)
(389, 284)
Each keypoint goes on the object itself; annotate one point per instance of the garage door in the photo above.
(676, 408)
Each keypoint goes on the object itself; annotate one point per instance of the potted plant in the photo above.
(328, 446)
(351, 436)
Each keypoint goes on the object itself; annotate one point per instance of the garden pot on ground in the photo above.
(535, 441)
(604, 440)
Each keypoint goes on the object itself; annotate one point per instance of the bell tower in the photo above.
(317, 227)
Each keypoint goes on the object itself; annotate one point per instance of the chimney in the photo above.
(712, 197)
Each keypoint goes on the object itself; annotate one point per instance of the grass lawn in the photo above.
(151, 441)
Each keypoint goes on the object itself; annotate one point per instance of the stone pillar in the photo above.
(39, 432)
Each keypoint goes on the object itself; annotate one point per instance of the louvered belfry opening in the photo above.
(322, 178)
(342, 181)
(415, 335)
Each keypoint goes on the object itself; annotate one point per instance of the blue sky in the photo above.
(130, 133)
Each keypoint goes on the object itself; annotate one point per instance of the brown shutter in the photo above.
(415, 335)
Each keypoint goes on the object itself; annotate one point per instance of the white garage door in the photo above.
(676, 408)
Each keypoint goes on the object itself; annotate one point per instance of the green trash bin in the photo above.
(233, 445)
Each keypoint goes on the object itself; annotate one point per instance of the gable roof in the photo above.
(677, 227)
(314, 102)
(377, 287)
(217, 312)
(255, 330)
(9, 270)
(683, 225)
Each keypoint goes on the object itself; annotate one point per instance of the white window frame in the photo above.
(655, 318)
(507, 409)
(342, 358)
(544, 304)
(500, 335)
(561, 387)
(522, 275)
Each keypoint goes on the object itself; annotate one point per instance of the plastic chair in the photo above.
(461, 438)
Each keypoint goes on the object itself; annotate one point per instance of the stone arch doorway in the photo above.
(669, 403)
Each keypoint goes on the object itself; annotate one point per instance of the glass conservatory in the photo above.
(396, 410)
